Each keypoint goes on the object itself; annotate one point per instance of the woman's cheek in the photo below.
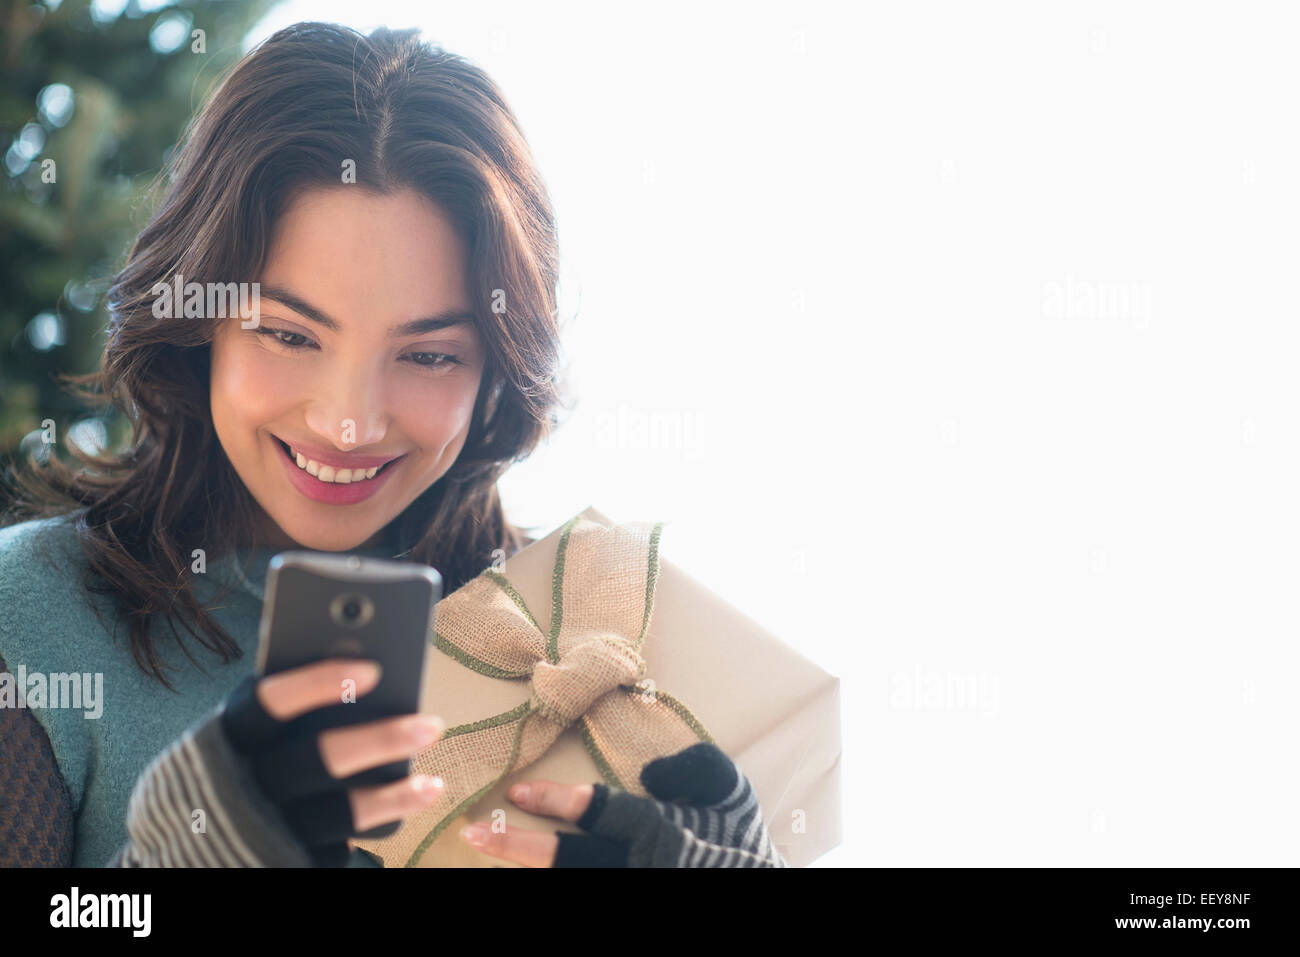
(435, 413)
(250, 383)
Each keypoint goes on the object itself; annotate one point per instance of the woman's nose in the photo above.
(349, 409)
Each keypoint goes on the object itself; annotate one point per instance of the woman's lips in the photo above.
(331, 493)
(334, 458)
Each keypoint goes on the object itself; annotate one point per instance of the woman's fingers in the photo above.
(287, 694)
(515, 844)
(349, 750)
(375, 806)
(568, 802)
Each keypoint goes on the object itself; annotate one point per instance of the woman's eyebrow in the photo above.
(415, 327)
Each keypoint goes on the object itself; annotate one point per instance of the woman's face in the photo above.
(365, 353)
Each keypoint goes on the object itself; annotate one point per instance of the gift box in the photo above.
(584, 656)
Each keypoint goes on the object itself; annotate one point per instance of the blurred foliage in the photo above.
(93, 98)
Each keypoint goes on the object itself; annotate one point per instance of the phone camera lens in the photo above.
(352, 610)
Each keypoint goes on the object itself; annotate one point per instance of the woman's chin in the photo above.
(315, 534)
(333, 541)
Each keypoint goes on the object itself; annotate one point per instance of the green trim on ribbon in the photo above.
(651, 580)
(472, 663)
(598, 758)
(518, 599)
(505, 717)
(474, 798)
(523, 712)
(557, 592)
(684, 713)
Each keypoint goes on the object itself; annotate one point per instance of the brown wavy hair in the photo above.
(410, 115)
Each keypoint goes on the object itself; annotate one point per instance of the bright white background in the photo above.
(957, 346)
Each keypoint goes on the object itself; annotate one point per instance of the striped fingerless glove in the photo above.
(703, 813)
(243, 789)
(198, 804)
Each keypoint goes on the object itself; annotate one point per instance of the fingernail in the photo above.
(428, 788)
(519, 792)
(474, 834)
(425, 730)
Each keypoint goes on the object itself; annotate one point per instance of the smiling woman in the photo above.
(401, 354)
(349, 381)
(368, 185)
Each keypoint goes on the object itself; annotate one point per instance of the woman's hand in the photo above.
(703, 813)
(255, 783)
(303, 772)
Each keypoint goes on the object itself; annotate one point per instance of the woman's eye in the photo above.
(279, 336)
(297, 341)
(432, 360)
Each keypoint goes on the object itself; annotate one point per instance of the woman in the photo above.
(335, 333)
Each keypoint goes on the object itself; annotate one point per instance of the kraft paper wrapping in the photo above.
(775, 713)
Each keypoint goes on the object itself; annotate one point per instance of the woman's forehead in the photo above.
(350, 251)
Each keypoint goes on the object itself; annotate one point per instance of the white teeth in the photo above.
(328, 473)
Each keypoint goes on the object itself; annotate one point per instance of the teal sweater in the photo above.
(47, 626)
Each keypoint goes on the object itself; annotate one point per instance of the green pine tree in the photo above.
(93, 100)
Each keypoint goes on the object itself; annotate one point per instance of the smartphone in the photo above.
(321, 605)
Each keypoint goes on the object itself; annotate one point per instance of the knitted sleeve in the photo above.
(198, 804)
(35, 808)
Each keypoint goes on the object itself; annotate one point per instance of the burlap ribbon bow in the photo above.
(585, 671)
